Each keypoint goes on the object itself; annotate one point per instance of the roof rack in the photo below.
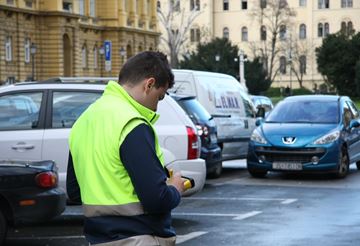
(96, 80)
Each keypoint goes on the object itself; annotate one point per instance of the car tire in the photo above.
(257, 173)
(3, 228)
(216, 171)
(343, 167)
(358, 165)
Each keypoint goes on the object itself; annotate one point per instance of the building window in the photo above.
(195, 35)
(283, 3)
(158, 5)
(67, 5)
(263, 4)
(225, 4)
(226, 33)
(95, 57)
(347, 28)
(302, 31)
(10, 2)
(92, 8)
(302, 63)
(29, 3)
(323, 4)
(8, 49)
(302, 3)
(195, 4)
(320, 30)
(282, 65)
(84, 61)
(326, 29)
(350, 29)
(82, 7)
(346, 3)
(282, 33)
(244, 34)
(263, 33)
(244, 4)
(27, 50)
(175, 5)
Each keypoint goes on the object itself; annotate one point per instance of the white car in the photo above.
(36, 118)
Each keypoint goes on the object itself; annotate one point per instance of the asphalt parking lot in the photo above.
(237, 209)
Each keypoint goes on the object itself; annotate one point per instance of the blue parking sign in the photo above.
(107, 46)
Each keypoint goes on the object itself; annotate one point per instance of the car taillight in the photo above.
(46, 180)
(193, 143)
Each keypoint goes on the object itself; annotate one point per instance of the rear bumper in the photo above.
(211, 156)
(44, 205)
(195, 169)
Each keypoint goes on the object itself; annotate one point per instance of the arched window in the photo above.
(326, 29)
(244, 34)
(343, 27)
(282, 65)
(320, 30)
(158, 4)
(95, 52)
(84, 61)
(195, 4)
(302, 31)
(27, 43)
(302, 62)
(263, 33)
(282, 33)
(349, 28)
(226, 33)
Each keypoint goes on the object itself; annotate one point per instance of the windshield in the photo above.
(323, 112)
(195, 110)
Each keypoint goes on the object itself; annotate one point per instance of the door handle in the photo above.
(22, 146)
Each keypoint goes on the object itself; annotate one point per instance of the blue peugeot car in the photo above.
(313, 133)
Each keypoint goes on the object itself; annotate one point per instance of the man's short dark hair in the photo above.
(145, 65)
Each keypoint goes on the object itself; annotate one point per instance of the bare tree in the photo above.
(177, 23)
(273, 16)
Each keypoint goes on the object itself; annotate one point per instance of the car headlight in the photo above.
(257, 137)
(328, 138)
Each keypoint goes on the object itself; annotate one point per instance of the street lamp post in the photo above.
(241, 68)
(32, 52)
(290, 72)
(122, 52)
(101, 52)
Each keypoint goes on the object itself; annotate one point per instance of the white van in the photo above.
(228, 103)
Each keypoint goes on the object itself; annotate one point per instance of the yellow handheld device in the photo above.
(188, 183)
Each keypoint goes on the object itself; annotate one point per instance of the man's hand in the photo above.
(177, 181)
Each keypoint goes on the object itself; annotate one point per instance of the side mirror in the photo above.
(354, 124)
(260, 112)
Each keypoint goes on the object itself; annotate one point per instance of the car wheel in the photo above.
(216, 172)
(343, 168)
(3, 228)
(358, 165)
(257, 173)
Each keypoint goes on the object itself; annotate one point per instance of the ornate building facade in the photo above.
(40, 39)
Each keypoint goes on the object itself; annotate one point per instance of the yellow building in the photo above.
(300, 35)
(52, 38)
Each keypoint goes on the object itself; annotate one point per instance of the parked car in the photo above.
(314, 133)
(206, 129)
(262, 102)
(60, 101)
(29, 192)
(227, 101)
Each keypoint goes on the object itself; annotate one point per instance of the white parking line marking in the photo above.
(247, 215)
(288, 201)
(46, 238)
(189, 236)
(282, 200)
(236, 216)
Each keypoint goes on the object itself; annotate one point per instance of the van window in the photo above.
(248, 105)
(20, 111)
(194, 110)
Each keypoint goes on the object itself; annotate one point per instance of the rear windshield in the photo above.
(324, 112)
(194, 109)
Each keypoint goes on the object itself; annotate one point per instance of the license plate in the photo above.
(286, 166)
(213, 138)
